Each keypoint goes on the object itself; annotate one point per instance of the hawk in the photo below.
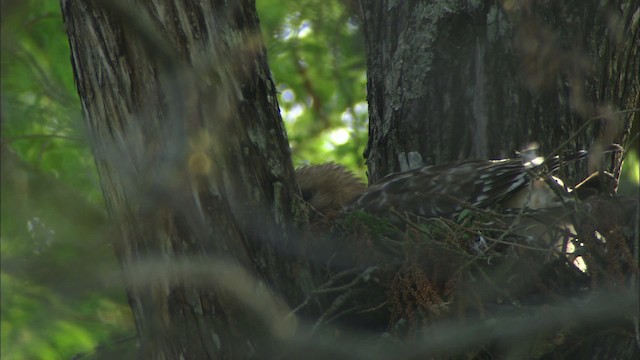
(329, 187)
(440, 190)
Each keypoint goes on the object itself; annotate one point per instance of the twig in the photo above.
(324, 288)
(588, 122)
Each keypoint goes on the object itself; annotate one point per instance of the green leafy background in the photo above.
(61, 293)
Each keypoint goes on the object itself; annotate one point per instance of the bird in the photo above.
(328, 187)
(442, 190)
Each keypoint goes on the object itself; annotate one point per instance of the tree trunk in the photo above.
(194, 164)
(452, 80)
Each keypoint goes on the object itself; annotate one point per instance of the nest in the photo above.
(485, 284)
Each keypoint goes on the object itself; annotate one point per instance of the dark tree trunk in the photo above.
(194, 164)
(452, 80)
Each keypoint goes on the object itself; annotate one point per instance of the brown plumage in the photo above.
(329, 187)
(442, 190)
(433, 191)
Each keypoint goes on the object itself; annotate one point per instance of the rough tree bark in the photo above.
(450, 80)
(194, 164)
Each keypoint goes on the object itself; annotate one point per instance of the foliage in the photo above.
(43, 316)
(316, 55)
(40, 110)
(630, 177)
(54, 261)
